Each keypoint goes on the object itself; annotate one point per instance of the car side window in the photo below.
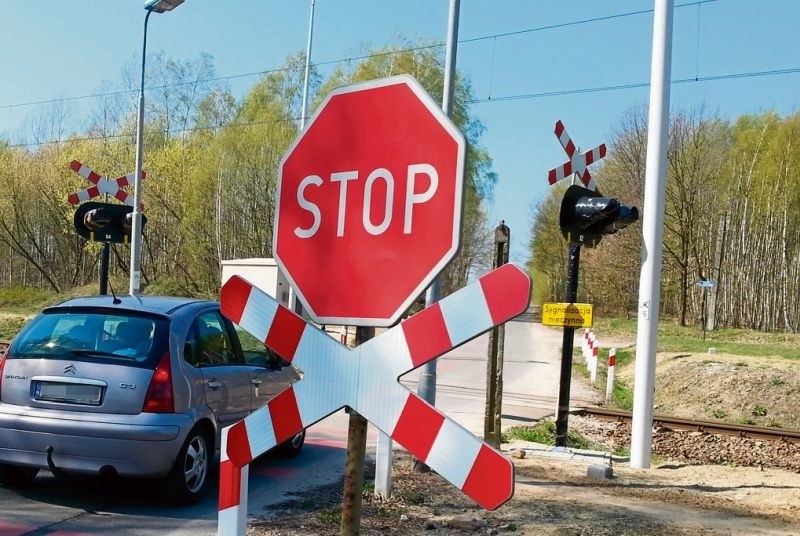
(214, 346)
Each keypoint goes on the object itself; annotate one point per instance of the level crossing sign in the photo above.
(578, 162)
(365, 378)
(101, 186)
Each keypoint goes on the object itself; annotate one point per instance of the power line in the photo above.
(524, 96)
(636, 85)
(356, 58)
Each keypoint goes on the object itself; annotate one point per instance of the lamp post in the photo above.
(151, 6)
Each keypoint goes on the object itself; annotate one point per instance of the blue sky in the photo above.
(534, 54)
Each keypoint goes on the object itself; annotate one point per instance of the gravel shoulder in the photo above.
(555, 497)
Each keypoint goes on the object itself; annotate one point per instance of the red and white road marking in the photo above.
(365, 379)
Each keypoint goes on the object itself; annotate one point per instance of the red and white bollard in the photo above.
(612, 365)
(593, 365)
(585, 344)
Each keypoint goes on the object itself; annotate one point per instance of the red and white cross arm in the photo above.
(570, 148)
(365, 378)
(564, 139)
(101, 185)
(577, 164)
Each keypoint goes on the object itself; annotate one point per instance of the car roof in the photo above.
(162, 305)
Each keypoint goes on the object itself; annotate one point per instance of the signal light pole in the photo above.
(584, 218)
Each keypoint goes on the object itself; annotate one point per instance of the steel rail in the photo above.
(737, 430)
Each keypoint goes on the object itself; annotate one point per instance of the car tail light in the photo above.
(160, 398)
(2, 366)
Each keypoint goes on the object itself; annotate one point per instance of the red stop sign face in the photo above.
(369, 202)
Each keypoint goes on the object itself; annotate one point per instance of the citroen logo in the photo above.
(71, 369)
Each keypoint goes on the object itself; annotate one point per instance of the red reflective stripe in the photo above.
(229, 485)
(122, 182)
(122, 196)
(507, 292)
(426, 335)
(285, 415)
(285, 333)
(552, 177)
(239, 445)
(93, 192)
(233, 298)
(559, 128)
(73, 199)
(417, 427)
(75, 166)
(93, 177)
(486, 483)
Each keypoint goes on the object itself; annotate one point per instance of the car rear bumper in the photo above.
(143, 445)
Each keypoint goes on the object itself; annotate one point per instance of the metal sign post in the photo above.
(562, 411)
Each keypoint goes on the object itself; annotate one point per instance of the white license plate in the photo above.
(75, 393)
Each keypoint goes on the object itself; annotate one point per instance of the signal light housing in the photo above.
(104, 222)
(586, 216)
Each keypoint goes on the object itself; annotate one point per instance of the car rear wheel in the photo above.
(16, 476)
(292, 447)
(189, 475)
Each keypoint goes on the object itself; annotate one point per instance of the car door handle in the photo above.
(255, 381)
(214, 384)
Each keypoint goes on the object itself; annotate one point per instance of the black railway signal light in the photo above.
(104, 222)
(586, 216)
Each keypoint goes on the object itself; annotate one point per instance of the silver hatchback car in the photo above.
(131, 386)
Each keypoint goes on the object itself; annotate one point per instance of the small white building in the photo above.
(263, 273)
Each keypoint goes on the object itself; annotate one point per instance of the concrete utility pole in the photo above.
(653, 235)
(427, 378)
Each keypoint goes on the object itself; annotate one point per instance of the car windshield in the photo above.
(73, 335)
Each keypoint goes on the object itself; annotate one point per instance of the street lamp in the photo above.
(151, 6)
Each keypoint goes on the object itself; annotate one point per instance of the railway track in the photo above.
(736, 430)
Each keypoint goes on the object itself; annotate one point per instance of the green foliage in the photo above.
(11, 324)
(23, 298)
(729, 216)
(412, 496)
(758, 411)
(544, 432)
(675, 338)
(720, 413)
(330, 516)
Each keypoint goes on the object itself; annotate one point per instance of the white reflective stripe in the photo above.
(391, 348)
(453, 453)
(228, 521)
(380, 402)
(564, 139)
(466, 313)
(84, 171)
(83, 195)
(223, 456)
(104, 186)
(260, 432)
(333, 378)
(258, 314)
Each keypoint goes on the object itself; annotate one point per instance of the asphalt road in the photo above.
(125, 507)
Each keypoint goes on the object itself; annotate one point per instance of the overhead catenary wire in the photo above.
(524, 96)
(352, 58)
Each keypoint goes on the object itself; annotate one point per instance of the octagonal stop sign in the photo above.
(369, 202)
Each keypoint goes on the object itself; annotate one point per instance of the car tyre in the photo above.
(14, 476)
(187, 480)
(292, 448)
